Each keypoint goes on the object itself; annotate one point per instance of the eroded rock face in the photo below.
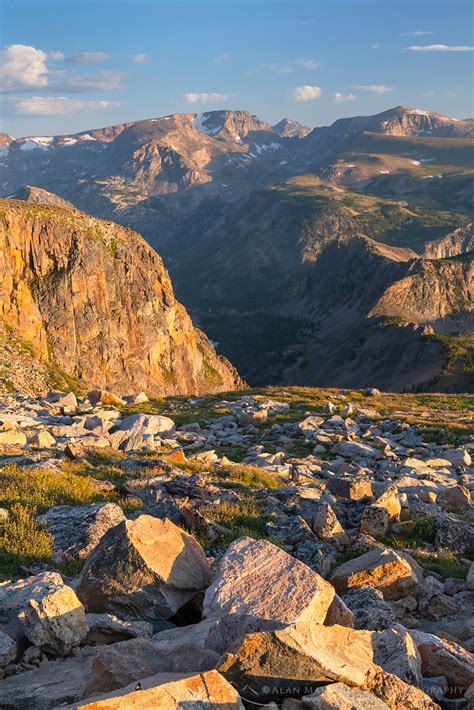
(143, 569)
(101, 300)
(258, 579)
(299, 655)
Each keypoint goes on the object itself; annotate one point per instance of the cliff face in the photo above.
(94, 299)
(461, 241)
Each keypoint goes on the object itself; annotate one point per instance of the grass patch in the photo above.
(444, 563)
(248, 476)
(22, 541)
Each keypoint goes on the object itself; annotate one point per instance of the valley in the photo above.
(310, 256)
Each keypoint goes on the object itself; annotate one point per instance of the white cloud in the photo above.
(338, 97)
(441, 48)
(374, 88)
(56, 106)
(307, 64)
(416, 33)
(24, 67)
(306, 93)
(374, 46)
(87, 58)
(220, 59)
(103, 81)
(139, 58)
(205, 98)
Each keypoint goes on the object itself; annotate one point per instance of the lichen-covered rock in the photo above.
(76, 530)
(143, 569)
(396, 653)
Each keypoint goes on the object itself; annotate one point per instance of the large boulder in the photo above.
(268, 665)
(171, 692)
(262, 581)
(143, 569)
(444, 658)
(339, 696)
(45, 611)
(76, 530)
(394, 574)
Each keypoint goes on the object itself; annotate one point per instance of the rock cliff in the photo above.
(93, 299)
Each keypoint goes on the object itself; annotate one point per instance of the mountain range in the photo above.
(340, 255)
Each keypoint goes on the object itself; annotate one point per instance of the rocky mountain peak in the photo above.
(287, 128)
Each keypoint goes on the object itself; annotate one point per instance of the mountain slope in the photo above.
(93, 299)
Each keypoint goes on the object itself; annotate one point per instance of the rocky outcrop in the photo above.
(461, 241)
(93, 299)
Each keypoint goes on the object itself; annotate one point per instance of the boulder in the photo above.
(42, 440)
(326, 525)
(76, 530)
(119, 664)
(8, 649)
(354, 450)
(263, 581)
(106, 628)
(375, 521)
(397, 694)
(369, 609)
(458, 457)
(395, 574)
(133, 431)
(12, 438)
(45, 611)
(267, 665)
(396, 653)
(171, 692)
(339, 696)
(389, 499)
(456, 497)
(52, 685)
(353, 487)
(446, 658)
(143, 569)
(253, 418)
(105, 397)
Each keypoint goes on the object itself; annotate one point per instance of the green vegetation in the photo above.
(27, 494)
(22, 541)
(248, 476)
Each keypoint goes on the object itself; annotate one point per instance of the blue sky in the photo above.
(71, 65)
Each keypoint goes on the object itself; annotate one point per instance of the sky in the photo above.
(72, 65)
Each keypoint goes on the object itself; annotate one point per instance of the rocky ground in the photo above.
(294, 548)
